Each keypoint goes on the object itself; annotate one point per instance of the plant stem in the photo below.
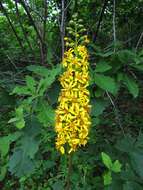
(68, 180)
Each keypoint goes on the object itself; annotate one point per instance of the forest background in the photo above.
(31, 49)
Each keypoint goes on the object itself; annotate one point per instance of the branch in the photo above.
(139, 41)
(114, 24)
(100, 19)
(12, 27)
(116, 113)
(45, 19)
(62, 26)
(43, 45)
(21, 25)
(31, 20)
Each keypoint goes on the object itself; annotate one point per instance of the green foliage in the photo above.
(46, 114)
(22, 160)
(105, 82)
(29, 90)
(19, 118)
(111, 166)
(131, 85)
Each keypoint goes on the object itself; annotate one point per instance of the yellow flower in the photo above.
(72, 114)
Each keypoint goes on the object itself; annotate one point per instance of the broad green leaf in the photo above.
(22, 161)
(95, 121)
(106, 160)
(128, 186)
(19, 164)
(5, 98)
(31, 83)
(139, 141)
(3, 172)
(19, 118)
(115, 185)
(126, 144)
(13, 120)
(6, 141)
(46, 82)
(131, 185)
(128, 174)
(43, 71)
(98, 106)
(137, 162)
(48, 164)
(116, 167)
(120, 76)
(107, 178)
(106, 54)
(53, 92)
(46, 114)
(29, 145)
(126, 56)
(21, 90)
(39, 70)
(105, 82)
(58, 185)
(131, 85)
(138, 67)
(20, 123)
(102, 67)
(4, 146)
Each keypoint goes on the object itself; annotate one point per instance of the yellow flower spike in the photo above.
(72, 115)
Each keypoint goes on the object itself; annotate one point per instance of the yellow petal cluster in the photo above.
(72, 114)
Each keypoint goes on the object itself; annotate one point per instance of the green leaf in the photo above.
(107, 178)
(95, 121)
(120, 76)
(126, 144)
(4, 146)
(58, 185)
(20, 123)
(137, 162)
(98, 106)
(39, 70)
(116, 167)
(48, 164)
(46, 114)
(131, 185)
(29, 145)
(21, 90)
(106, 54)
(128, 186)
(126, 56)
(138, 67)
(131, 85)
(128, 174)
(139, 141)
(31, 83)
(22, 161)
(46, 82)
(19, 118)
(102, 67)
(53, 92)
(105, 82)
(43, 71)
(106, 160)
(13, 120)
(19, 164)
(6, 141)
(3, 172)
(5, 98)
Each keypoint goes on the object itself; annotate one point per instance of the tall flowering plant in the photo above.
(72, 114)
